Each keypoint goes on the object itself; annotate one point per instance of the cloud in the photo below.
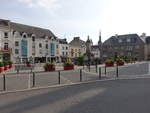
(47, 4)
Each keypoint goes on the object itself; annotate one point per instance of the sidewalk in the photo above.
(39, 68)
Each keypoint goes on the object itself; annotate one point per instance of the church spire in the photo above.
(100, 40)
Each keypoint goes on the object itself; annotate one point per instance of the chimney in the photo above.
(76, 38)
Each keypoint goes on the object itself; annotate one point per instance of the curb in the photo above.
(71, 84)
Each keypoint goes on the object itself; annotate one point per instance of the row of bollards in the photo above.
(59, 76)
(105, 70)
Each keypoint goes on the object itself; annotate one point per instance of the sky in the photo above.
(71, 18)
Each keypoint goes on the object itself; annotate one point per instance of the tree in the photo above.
(80, 60)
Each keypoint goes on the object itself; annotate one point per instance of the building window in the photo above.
(129, 54)
(63, 53)
(40, 45)
(79, 50)
(40, 51)
(66, 53)
(46, 46)
(24, 36)
(5, 35)
(128, 40)
(57, 46)
(6, 46)
(16, 43)
(62, 48)
(137, 47)
(33, 38)
(16, 51)
(75, 54)
(120, 41)
(66, 48)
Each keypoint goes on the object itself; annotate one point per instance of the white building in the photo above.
(63, 50)
(21, 43)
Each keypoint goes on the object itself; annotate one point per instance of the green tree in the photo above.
(80, 60)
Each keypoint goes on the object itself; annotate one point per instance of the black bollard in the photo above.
(96, 68)
(33, 79)
(58, 77)
(80, 75)
(105, 70)
(4, 82)
(117, 74)
(100, 73)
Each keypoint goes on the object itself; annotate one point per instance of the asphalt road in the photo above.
(25, 80)
(118, 96)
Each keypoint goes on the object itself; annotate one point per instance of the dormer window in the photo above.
(33, 38)
(5, 35)
(24, 36)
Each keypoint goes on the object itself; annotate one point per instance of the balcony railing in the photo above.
(6, 49)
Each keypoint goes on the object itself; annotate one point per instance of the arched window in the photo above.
(40, 45)
(24, 36)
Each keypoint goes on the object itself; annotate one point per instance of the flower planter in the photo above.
(71, 67)
(28, 65)
(120, 63)
(1, 69)
(49, 69)
(109, 64)
(10, 66)
(6, 67)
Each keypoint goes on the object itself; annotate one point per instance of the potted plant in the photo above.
(119, 62)
(10, 64)
(28, 64)
(109, 63)
(68, 66)
(49, 66)
(1, 67)
(5, 65)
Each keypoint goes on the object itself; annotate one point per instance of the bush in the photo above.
(109, 61)
(5, 63)
(10, 62)
(119, 59)
(68, 64)
(49, 64)
(1, 64)
(80, 60)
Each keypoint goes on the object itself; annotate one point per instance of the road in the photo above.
(25, 80)
(116, 96)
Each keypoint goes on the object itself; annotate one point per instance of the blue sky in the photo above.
(70, 18)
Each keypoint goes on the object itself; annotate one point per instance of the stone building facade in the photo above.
(77, 48)
(63, 50)
(130, 45)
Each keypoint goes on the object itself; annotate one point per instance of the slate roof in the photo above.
(21, 28)
(114, 39)
(77, 42)
(63, 41)
(39, 32)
